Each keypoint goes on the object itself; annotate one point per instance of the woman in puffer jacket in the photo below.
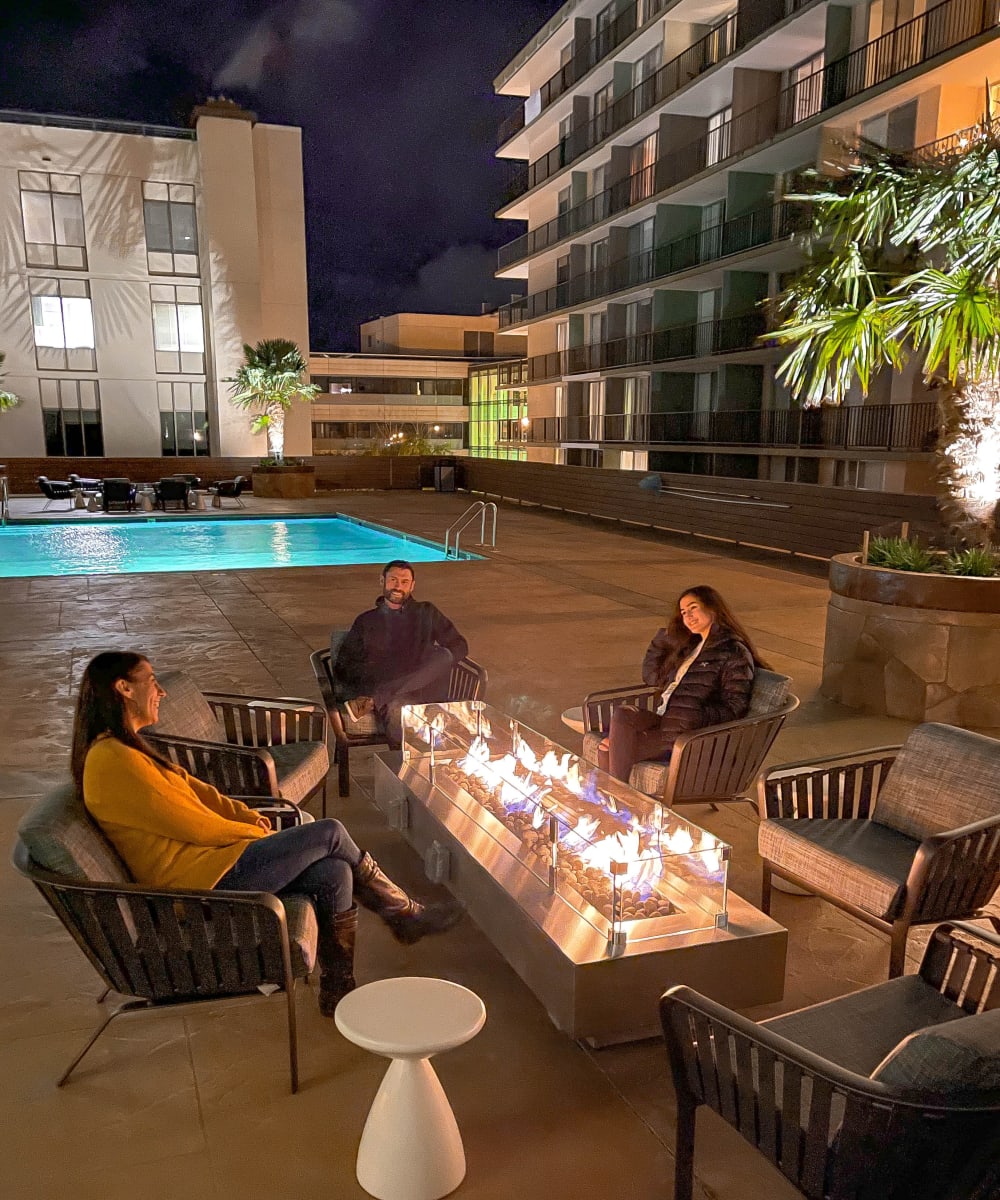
(703, 662)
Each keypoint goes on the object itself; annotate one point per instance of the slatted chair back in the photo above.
(833, 1133)
(158, 946)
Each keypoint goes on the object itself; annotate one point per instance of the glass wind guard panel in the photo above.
(626, 865)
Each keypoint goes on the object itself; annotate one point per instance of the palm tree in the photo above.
(7, 399)
(904, 262)
(270, 379)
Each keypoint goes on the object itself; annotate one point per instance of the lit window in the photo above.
(178, 329)
(63, 324)
(183, 419)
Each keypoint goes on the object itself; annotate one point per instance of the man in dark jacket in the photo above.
(399, 652)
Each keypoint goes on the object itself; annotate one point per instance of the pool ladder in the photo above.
(480, 509)
(4, 498)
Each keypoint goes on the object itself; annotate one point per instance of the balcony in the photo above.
(749, 230)
(939, 29)
(877, 427)
(703, 340)
(670, 78)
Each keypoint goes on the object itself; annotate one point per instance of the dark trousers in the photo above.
(430, 681)
(313, 860)
(636, 735)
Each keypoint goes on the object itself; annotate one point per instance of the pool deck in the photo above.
(195, 1103)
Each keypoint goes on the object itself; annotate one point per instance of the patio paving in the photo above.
(195, 1103)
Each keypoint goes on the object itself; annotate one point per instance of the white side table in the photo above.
(411, 1148)
(573, 718)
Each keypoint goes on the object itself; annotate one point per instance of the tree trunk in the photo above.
(970, 458)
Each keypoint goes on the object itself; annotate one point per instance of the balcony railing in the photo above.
(744, 232)
(670, 78)
(704, 339)
(511, 125)
(876, 427)
(933, 32)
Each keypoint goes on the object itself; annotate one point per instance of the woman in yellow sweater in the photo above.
(172, 830)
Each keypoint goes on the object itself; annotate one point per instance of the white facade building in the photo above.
(137, 260)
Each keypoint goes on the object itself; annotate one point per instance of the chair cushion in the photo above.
(959, 1057)
(649, 777)
(858, 1030)
(590, 743)
(300, 767)
(770, 691)
(367, 727)
(859, 861)
(184, 711)
(62, 837)
(303, 933)
(942, 779)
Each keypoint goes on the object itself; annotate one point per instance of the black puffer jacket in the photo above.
(716, 687)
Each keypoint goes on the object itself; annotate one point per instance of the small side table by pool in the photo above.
(411, 1148)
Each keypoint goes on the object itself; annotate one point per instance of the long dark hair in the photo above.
(681, 639)
(100, 709)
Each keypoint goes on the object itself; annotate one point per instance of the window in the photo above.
(642, 169)
(598, 179)
(478, 343)
(71, 416)
(718, 140)
(807, 88)
(178, 328)
(52, 212)
(64, 324)
(171, 228)
(183, 419)
(647, 66)
(599, 251)
(640, 237)
(603, 101)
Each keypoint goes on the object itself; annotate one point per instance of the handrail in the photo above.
(478, 508)
(4, 498)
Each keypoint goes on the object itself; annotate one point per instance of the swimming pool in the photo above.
(221, 544)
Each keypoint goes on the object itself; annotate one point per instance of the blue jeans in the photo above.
(313, 860)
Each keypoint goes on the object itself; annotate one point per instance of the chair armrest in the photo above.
(234, 770)
(598, 706)
(268, 720)
(962, 962)
(283, 814)
(954, 873)
(846, 786)
(717, 761)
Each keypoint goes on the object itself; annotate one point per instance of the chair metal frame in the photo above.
(243, 765)
(174, 946)
(952, 875)
(716, 763)
(56, 489)
(468, 682)
(887, 1145)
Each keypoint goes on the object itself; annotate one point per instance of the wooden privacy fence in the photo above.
(800, 518)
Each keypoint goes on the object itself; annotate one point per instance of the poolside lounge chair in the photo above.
(84, 482)
(173, 490)
(56, 489)
(229, 489)
(118, 493)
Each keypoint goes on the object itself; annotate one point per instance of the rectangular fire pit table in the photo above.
(599, 897)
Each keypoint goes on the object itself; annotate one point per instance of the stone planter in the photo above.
(920, 647)
(284, 483)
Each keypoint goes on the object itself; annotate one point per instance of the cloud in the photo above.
(279, 40)
(460, 280)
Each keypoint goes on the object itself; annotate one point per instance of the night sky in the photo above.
(394, 98)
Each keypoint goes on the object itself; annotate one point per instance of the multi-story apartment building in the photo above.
(137, 261)
(416, 375)
(661, 139)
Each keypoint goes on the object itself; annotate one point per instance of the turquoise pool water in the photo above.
(217, 544)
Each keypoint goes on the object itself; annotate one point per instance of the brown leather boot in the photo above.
(336, 960)
(408, 919)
